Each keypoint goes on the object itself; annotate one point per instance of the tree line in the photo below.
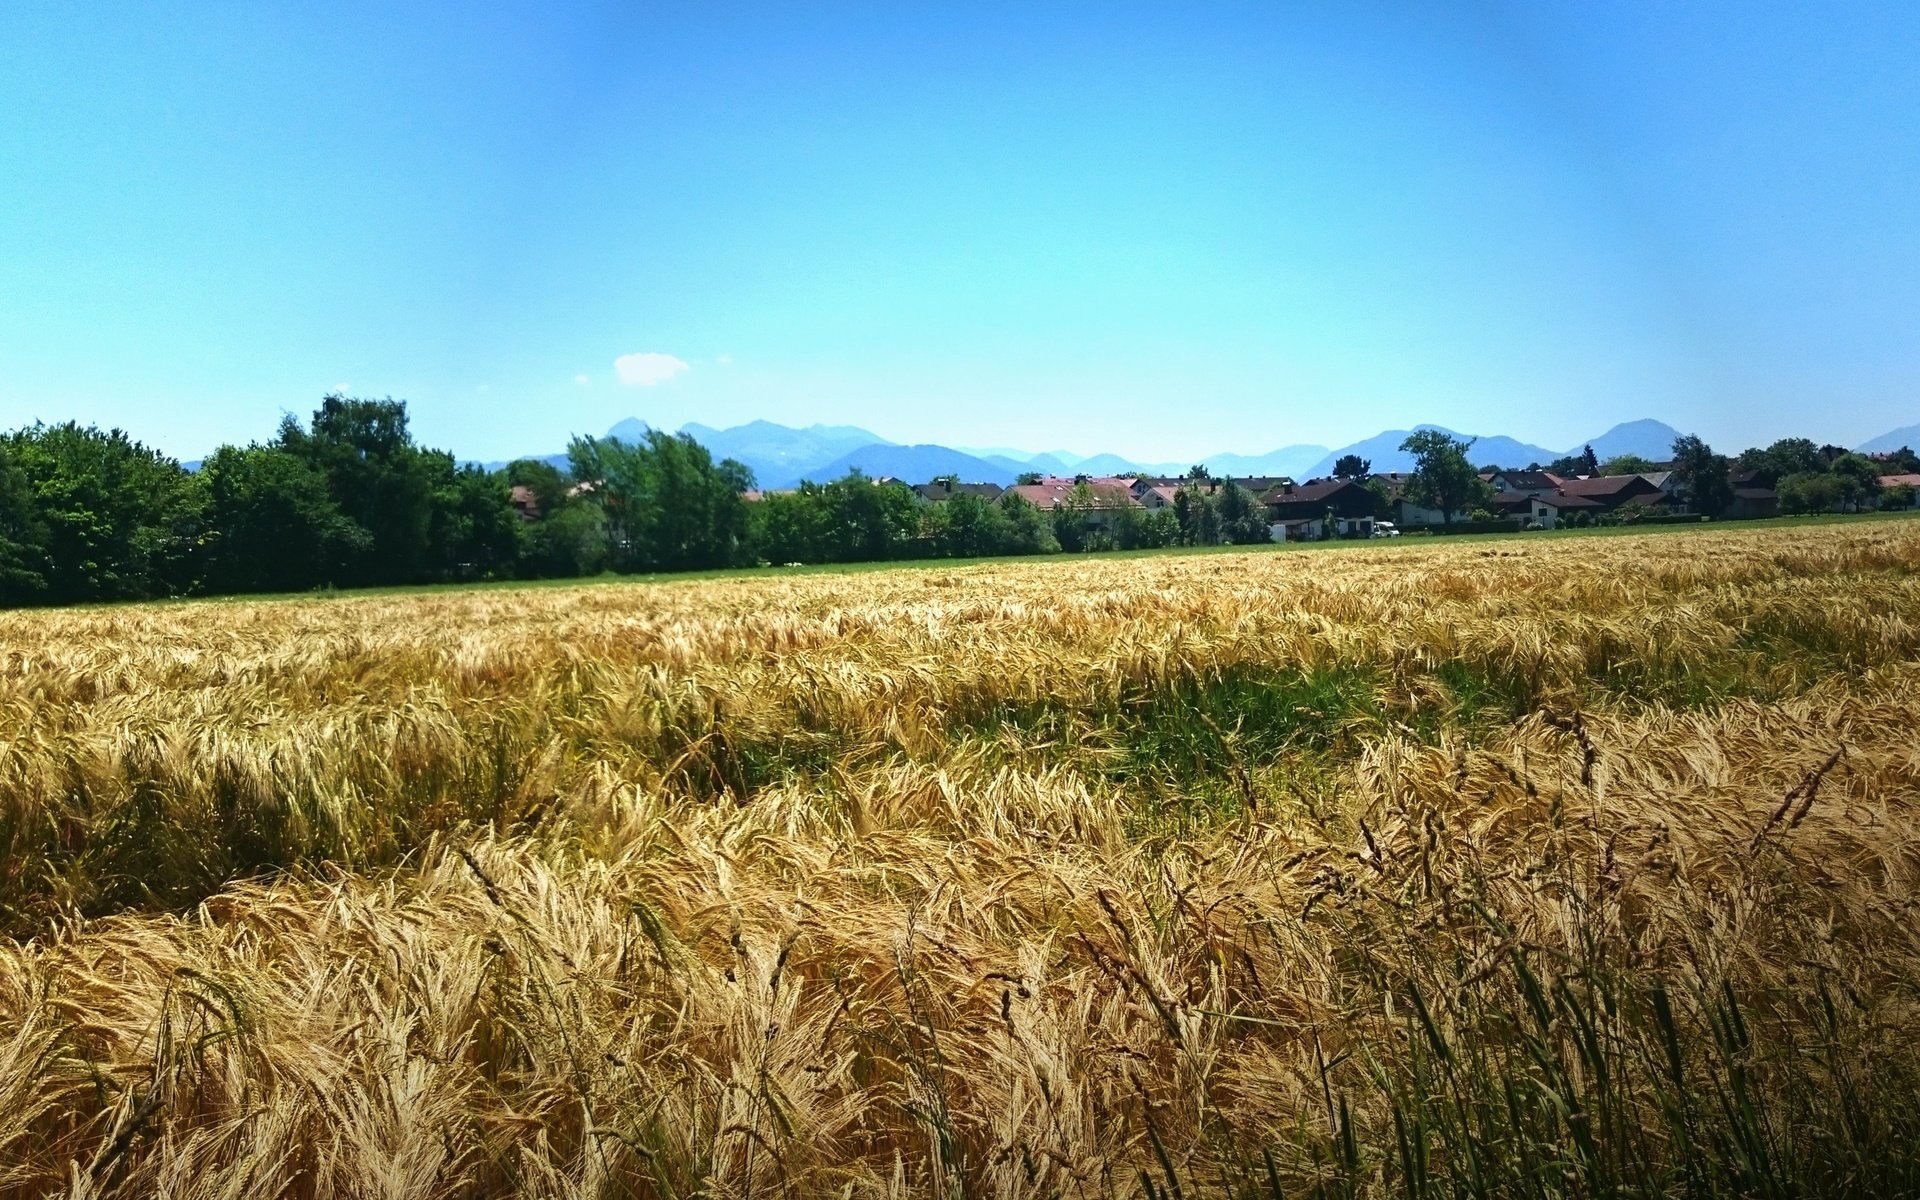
(1806, 478)
(350, 499)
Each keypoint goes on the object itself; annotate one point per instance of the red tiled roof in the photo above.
(1564, 500)
(1912, 481)
(1602, 485)
(1301, 493)
(1052, 492)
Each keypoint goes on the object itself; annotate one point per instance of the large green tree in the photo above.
(273, 523)
(1788, 456)
(1703, 477)
(1626, 464)
(967, 526)
(1243, 522)
(114, 519)
(1857, 479)
(1809, 492)
(1443, 477)
(474, 529)
(380, 480)
(568, 536)
(1032, 532)
(426, 518)
(668, 505)
(23, 536)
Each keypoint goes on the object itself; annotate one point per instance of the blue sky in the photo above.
(1151, 230)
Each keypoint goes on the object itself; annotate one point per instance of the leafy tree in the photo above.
(1196, 516)
(274, 524)
(23, 536)
(1584, 463)
(1703, 480)
(114, 519)
(1198, 473)
(1443, 478)
(1788, 456)
(868, 521)
(1382, 498)
(1143, 529)
(790, 527)
(968, 527)
(568, 537)
(1032, 532)
(1626, 464)
(1809, 492)
(380, 480)
(1900, 495)
(667, 505)
(475, 532)
(1352, 466)
(1070, 527)
(564, 543)
(1243, 522)
(1028, 478)
(1900, 462)
(1857, 480)
(548, 483)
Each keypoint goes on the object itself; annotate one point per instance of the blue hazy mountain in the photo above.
(777, 454)
(1384, 452)
(1287, 460)
(1650, 439)
(1050, 462)
(1891, 440)
(914, 464)
(782, 455)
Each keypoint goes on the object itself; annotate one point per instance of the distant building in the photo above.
(1911, 482)
(1104, 497)
(1320, 509)
(947, 489)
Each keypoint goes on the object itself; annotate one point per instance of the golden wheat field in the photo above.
(1504, 868)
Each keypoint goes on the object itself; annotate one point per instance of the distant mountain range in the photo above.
(1892, 440)
(1647, 438)
(781, 456)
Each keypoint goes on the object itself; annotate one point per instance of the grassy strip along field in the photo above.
(1562, 868)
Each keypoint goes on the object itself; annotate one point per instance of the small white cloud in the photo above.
(725, 360)
(647, 370)
(582, 380)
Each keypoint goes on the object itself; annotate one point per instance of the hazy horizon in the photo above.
(1110, 230)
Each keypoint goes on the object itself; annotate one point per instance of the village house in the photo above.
(1614, 492)
(1754, 496)
(1910, 482)
(1405, 511)
(1158, 491)
(526, 503)
(947, 487)
(1322, 509)
(1523, 483)
(1104, 497)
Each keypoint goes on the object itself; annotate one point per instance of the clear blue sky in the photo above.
(1160, 231)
